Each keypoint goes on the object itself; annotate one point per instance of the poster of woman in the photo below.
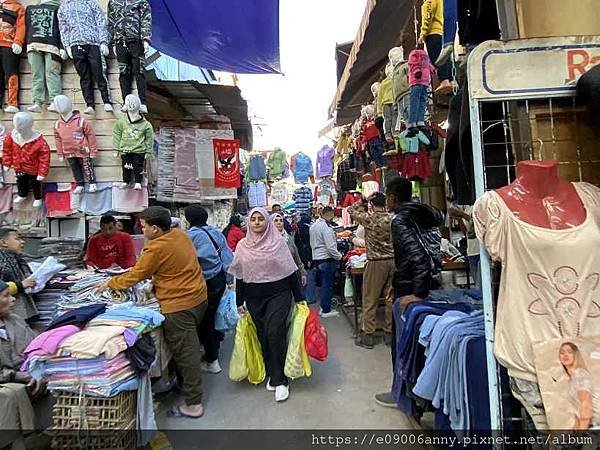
(568, 372)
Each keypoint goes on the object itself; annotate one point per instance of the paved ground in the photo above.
(339, 394)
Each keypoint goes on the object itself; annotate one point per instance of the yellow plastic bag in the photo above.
(254, 357)
(297, 363)
(238, 368)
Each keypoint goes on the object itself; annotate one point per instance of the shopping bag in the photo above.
(238, 368)
(315, 337)
(348, 288)
(254, 357)
(227, 315)
(297, 363)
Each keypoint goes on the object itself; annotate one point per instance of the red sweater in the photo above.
(234, 236)
(104, 251)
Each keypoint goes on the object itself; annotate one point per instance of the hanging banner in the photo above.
(227, 163)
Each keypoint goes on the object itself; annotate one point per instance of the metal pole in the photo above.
(508, 19)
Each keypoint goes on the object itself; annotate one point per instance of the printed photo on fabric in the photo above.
(568, 372)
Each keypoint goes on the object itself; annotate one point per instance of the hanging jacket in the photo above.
(276, 163)
(43, 32)
(82, 22)
(32, 158)
(303, 168)
(325, 162)
(420, 68)
(400, 81)
(257, 169)
(414, 272)
(75, 138)
(12, 23)
(129, 20)
(369, 131)
(385, 96)
(133, 137)
(432, 17)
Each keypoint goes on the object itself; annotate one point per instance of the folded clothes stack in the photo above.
(65, 249)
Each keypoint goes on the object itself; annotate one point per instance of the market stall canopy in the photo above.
(380, 29)
(193, 100)
(228, 35)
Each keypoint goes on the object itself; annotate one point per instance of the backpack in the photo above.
(431, 240)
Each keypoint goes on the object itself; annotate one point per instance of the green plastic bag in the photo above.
(297, 363)
(254, 357)
(238, 368)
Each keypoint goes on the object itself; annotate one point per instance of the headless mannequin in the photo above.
(539, 197)
(79, 164)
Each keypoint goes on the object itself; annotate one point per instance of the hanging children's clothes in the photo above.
(374, 145)
(302, 167)
(419, 77)
(400, 90)
(346, 177)
(412, 144)
(12, 31)
(257, 194)
(416, 167)
(279, 193)
(325, 162)
(276, 163)
(351, 198)
(325, 193)
(303, 199)
(385, 107)
(257, 170)
(369, 188)
(76, 142)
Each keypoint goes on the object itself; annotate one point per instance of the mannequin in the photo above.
(75, 141)
(130, 32)
(420, 74)
(27, 152)
(133, 139)
(399, 83)
(385, 105)
(44, 53)
(432, 28)
(375, 90)
(85, 37)
(539, 197)
(372, 139)
(12, 40)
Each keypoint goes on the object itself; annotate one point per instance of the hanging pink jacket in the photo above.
(420, 69)
(75, 138)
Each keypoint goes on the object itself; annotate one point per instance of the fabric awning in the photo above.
(238, 36)
(381, 29)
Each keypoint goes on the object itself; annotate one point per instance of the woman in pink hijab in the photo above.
(266, 281)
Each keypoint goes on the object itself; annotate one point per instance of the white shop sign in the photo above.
(540, 67)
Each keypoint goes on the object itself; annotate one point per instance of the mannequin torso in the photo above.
(539, 197)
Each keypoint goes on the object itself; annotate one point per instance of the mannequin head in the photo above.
(396, 55)
(23, 123)
(63, 105)
(369, 111)
(132, 103)
(388, 69)
(375, 89)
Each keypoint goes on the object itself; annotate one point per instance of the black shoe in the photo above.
(386, 400)
(387, 338)
(365, 341)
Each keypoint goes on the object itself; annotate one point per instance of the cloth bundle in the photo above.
(46, 271)
(65, 249)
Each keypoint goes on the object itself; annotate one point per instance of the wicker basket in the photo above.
(95, 440)
(75, 412)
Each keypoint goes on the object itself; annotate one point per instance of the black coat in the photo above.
(413, 264)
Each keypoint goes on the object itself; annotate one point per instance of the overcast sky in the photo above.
(291, 109)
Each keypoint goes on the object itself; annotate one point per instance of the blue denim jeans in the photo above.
(376, 150)
(418, 104)
(325, 278)
(310, 290)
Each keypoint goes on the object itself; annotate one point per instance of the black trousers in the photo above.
(132, 64)
(210, 338)
(434, 48)
(9, 75)
(270, 314)
(25, 183)
(133, 167)
(82, 168)
(91, 68)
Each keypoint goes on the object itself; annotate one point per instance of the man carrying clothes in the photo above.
(325, 258)
(169, 259)
(215, 257)
(380, 268)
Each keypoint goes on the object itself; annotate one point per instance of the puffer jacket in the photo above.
(413, 264)
(129, 20)
(82, 22)
(32, 158)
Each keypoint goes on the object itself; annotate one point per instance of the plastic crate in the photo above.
(75, 412)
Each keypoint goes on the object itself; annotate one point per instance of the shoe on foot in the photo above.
(52, 107)
(445, 87)
(34, 109)
(365, 341)
(10, 109)
(387, 339)
(331, 313)
(78, 190)
(93, 188)
(210, 367)
(282, 393)
(18, 199)
(108, 107)
(386, 400)
(89, 111)
(138, 186)
(269, 387)
(37, 203)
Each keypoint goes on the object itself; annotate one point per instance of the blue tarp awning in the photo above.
(238, 36)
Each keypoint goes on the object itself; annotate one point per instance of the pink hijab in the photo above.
(262, 258)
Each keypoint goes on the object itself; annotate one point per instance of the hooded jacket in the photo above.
(129, 20)
(75, 138)
(82, 22)
(413, 264)
(12, 23)
(133, 136)
(32, 158)
(43, 32)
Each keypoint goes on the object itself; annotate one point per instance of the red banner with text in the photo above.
(227, 163)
